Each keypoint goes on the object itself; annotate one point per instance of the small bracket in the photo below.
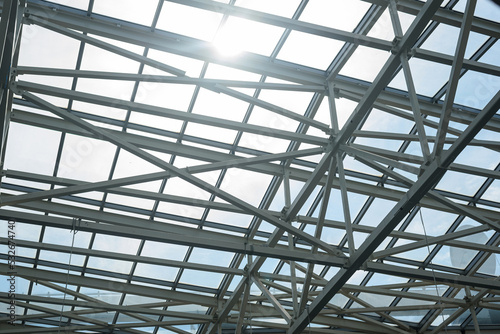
(411, 53)
(283, 212)
(395, 45)
(75, 225)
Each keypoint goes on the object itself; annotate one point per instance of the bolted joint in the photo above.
(395, 45)
(347, 263)
(283, 212)
(411, 53)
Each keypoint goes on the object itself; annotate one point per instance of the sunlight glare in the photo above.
(228, 43)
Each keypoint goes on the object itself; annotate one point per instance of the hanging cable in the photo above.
(74, 230)
(432, 267)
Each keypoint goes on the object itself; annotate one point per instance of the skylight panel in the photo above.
(491, 56)
(62, 237)
(85, 159)
(142, 203)
(97, 59)
(60, 257)
(230, 218)
(223, 106)
(165, 95)
(336, 14)
(216, 71)
(45, 48)
(460, 183)
(20, 252)
(131, 165)
(246, 185)
(191, 66)
(110, 265)
(477, 89)
(365, 63)
(491, 266)
(285, 8)
(239, 35)
(128, 10)
(157, 272)
(375, 300)
(163, 250)
(158, 122)
(189, 21)
(272, 120)
(115, 244)
(309, 50)
(206, 279)
(53, 81)
(35, 153)
(493, 192)
(383, 28)
(263, 143)
(444, 40)
(176, 186)
(479, 156)
(118, 89)
(484, 9)
(80, 4)
(428, 77)
(106, 296)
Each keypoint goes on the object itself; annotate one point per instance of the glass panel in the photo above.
(35, 153)
(309, 50)
(128, 10)
(189, 21)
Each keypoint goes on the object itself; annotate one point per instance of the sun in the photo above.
(228, 43)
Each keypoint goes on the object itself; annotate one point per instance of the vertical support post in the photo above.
(7, 42)
(333, 108)
(345, 205)
(340, 167)
(243, 307)
(472, 312)
(412, 92)
(317, 232)
(288, 201)
(451, 87)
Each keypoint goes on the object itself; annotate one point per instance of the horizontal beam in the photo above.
(203, 82)
(204, 239)
(165, 112)
(123, 257)
(32, 274)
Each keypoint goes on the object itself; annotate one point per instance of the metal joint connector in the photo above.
(395, 45)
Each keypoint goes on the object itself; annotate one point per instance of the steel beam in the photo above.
(362, 109)
(429, 178)
(106, 285)
(164, 112)
(103, 45)
(8, 41)
(203, 82)
(452, 85)
(180, 173)
(124, 257)
(105, 185)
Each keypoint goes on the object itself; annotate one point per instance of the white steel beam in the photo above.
(164, 112)
(428, 179)
(103, 45)
(380, 82)
(456, 67)
(180, 173)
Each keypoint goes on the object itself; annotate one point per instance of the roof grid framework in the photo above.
(246, 166)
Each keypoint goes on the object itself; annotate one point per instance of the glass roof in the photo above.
(199, 166)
